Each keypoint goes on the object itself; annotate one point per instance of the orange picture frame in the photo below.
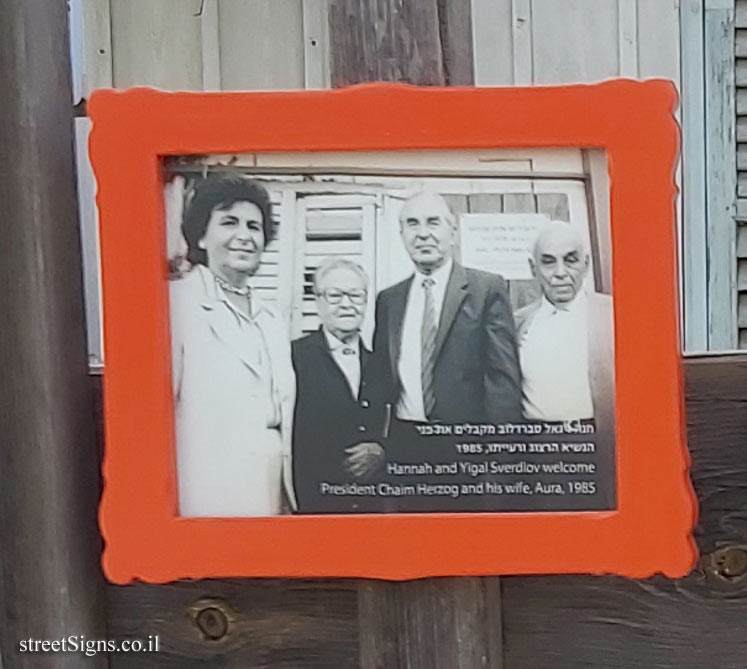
(649, 532)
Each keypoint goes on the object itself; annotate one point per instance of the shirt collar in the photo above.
(336, 345)
(577, 305)
(439, 275)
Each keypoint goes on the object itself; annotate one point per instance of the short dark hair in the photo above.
(220, 192)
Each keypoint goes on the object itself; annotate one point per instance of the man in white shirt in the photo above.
(337, 425)
(566, 337)
(445, 339)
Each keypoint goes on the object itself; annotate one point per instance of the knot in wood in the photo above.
(212, 622)
(730, 563)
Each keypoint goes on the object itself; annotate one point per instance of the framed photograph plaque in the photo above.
(391, 332)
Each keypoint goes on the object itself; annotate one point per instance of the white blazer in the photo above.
(229, 463)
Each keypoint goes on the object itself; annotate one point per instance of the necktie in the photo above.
(428, 343)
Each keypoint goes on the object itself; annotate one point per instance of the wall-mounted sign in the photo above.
(500, 243)
(309, 340)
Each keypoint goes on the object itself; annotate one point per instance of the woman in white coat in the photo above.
(234, 387)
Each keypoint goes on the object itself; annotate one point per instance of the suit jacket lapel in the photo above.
(222, 320)
(397, 314)
(456, 292)
(321, 341)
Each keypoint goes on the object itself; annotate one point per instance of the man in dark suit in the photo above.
(445, 338)
(337, 426)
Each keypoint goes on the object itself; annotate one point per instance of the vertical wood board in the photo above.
(722, 172)
(523, 53)
(97, 46)
(387, 40)
(658, 39)
(574, 41)
(210, 43)
(316, 43)
(157, 44)
(455, 26)
(492, 39)
(627, 38)
(694, 240)
(261, 44)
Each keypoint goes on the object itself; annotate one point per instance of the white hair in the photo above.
(336, 262)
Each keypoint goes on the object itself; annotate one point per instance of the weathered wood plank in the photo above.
(741, 211)
(694, 257)
(261, 44)
(743, 339)
(574, 40)
(742, 156)
(260, 623)
(742, 102)
(741, 13)
(742, 185)
(492, 42)
(316, 43)
(658, 40)
(387, 40)
(157, 44)
(421, 616)
(741, 129)
(305, 623)
(627, 38)
(623, 622)
(97, 45)
(742, 274)
(50, 584)
(210, 43)
(522, 32)
(740, 44)
(742, 310)
(742, 241)
(722, 171)
(741, 73)
(455, 23)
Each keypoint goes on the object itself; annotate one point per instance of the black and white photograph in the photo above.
(404, 332)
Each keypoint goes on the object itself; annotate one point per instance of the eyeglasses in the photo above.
(334, 295)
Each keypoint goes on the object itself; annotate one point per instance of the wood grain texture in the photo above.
(522, 29)
(455, 25)
(97, 45)
(271, 623)
(386, 40)
(261, 44)
(550, 621)
(157, 44)
(740, 43)
(722, 172)
(492, 42)
(574, 40)
(558, 622)
(742, 241)
(658, 39)
(316, 43)
(444, 623)
(741, 13)
(694, 197)
(50, 583)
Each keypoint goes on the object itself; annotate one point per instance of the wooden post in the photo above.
(445, 622)
(49, 547)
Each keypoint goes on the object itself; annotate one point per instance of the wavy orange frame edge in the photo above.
(650, 531)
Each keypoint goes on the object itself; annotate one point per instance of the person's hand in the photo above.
(364, 458)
